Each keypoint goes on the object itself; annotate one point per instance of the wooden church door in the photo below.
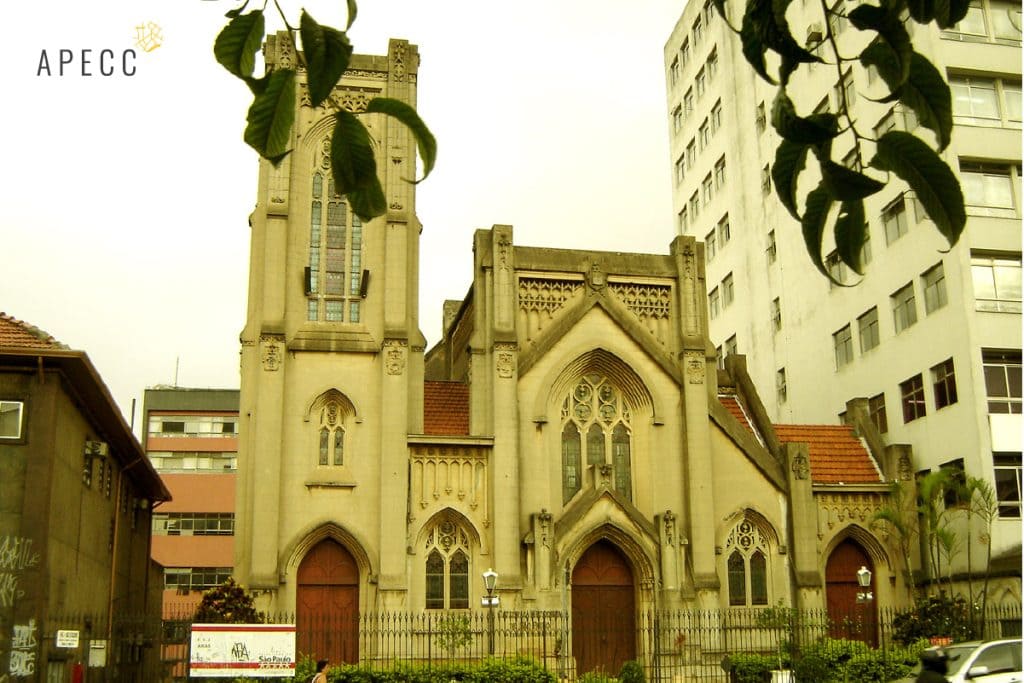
(848, 618)
(603, 610)
(327, 604)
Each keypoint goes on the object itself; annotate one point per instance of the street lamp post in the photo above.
(490, 601)
(864, 599)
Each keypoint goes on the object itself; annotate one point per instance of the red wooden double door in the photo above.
(603, 610)
(327, 604)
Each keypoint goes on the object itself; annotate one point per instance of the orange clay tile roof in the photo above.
(732, 404)
(446, 408)
(837, 455)
(15, 333)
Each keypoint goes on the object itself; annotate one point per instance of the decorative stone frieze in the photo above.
(695, 367)
(394, 356)
(271, 351)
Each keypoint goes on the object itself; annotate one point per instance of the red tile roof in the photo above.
(837, 455)
(446, 408)
(15, 333)
(733, 405)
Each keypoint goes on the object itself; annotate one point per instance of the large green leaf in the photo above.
(957, 11)
(921, 11)
(813, 130)
(790, 158)
(327, 53)
(890, 29)
(780, 39)
(886, 62)
(425, 141)
(846, 185)
(931, 179)
(352, 161)
(352, 10)
(753, 30)
(813, 226)
(271, 116)
(850, 233)
(927, 94)
(237, 44)
(370, 202)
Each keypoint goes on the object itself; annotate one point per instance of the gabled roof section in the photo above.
(445, 408)
(730, 401)
(838, 456)
(18, 334)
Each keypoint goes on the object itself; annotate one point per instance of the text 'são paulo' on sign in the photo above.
(243, 650)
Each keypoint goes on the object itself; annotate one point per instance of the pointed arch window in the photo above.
(334, 274)
(746, 552)
(595, 407)
(330, 415)
(447, 567)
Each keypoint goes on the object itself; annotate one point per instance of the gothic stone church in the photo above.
(572, 429)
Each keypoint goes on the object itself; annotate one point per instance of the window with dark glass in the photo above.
(876, 411)
(596, 408)
(944, 382)
(1008, 483)
(912, 395)
(446, 569)
(746, 551)
(11, 413)
(1002, 380)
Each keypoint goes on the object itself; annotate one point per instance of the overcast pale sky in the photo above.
(124, 231)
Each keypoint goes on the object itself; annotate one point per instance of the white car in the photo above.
(992, 661)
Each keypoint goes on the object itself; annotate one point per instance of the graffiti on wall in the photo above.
(16, 555)
(23, 650)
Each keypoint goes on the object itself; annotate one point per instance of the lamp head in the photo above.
(864, 577)
(490, 580)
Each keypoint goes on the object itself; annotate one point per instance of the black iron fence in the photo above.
(671, 645)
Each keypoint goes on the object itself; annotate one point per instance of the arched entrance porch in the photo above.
(848, 617)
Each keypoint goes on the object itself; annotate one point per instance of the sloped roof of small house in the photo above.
(445, 408)
(19, 334)
(837, 454)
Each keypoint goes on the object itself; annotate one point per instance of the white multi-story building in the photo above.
(931, 336)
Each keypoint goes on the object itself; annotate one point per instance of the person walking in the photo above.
(321, 672)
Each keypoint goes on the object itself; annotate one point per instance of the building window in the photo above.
(912, 395)
(684, 53)
(837, 18)
(684, 220)
(904, 308)
(447, 567)
(746, 551)
(780, 384)
(712, 65)
(680, 169)
(766, 180)
(673, 72)
(193, 426)
(704, 134)
(87, 467)
(894, 219)
(933, 281)
(707, 189)
(1008, 483)
(844, 91)
(597, 408)
(998, 22)
(677, 119)
(695, 205)
(714, 303)
(867, 328)
(720, 174)
(728, 291)
(886, 123)
(997, 282)
(332, 411)
(698, 30)
(716, 117)
(334, 274)
(710, 246)
(719, 358)
(771, 250)
(186, 579)
(691, 153)
(193, 524)
(876, 411)
(842, 341)
(701, 83)
(12, 415)
(944, 381)
(776, 314)
(865, 249)
(731, 347)
(688, 101)
(1002, 380)
(988, 189)
(975, 100)
(836, 268)
(761, 118)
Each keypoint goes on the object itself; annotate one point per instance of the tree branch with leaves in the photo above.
(324, 52)
(912, 80)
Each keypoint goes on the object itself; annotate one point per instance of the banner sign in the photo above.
(242, 650)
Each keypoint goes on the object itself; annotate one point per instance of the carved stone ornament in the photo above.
(504, 246)
(801, 468)
(398, 62)
(695, 367)
(596, 278)
(506, 360)
(905, 470)
(271, 352)
(669, 519)
(394, 357)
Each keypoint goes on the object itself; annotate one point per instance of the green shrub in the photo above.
(594, 677)
(632, 672)
(747, 667)
(935, 616)
(811, 669)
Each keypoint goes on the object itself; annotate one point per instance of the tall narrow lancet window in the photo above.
(595, 408)
(447, 567)
(332, 434)
(334, 276)
(746, 551)
(571, 465)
